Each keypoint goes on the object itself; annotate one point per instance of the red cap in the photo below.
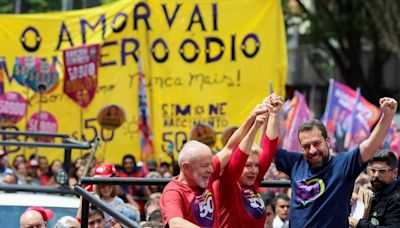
(32, 163)
(47, 214)
(105, 169)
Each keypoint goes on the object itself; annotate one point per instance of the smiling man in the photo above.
(322, 184)
(385, 206)
(189, 200)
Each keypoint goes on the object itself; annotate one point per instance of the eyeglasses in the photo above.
(382, 171)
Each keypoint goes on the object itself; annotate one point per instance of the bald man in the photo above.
(187, 201)
(32, 219)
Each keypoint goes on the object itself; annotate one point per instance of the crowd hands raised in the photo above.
(222, 190)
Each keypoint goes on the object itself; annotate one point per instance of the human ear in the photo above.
(185, 167)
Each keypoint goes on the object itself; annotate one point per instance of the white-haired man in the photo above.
(187, 201)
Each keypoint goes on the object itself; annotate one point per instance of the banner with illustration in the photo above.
(80, 73)
(204, 61)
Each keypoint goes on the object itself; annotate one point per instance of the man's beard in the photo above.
(378, 185)
(325, 159)
(199, 181)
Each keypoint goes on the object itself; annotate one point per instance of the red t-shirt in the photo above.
(193, 204)
(242, 206)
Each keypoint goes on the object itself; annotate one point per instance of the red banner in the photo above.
(80, 73)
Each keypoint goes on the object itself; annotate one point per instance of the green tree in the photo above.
(347, 31)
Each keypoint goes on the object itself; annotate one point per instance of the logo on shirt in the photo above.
(253, 203)
(203, 209)
(309, 190)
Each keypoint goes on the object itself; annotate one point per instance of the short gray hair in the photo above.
(65, 222)
(189, 150)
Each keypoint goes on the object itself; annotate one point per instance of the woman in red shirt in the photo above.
(238, 197)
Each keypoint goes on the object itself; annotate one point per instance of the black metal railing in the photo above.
(36, 189)
(86, 196)
(67, 143)
(162, 181)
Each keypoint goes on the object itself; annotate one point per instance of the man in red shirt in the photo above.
(188, 200)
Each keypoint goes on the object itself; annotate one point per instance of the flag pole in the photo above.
(327, 106)
(264, 127)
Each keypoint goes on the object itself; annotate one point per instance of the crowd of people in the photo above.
(222, 189)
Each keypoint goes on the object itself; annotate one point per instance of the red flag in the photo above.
(146, 133)
(298, 113)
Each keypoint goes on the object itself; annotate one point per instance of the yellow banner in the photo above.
(204, 62)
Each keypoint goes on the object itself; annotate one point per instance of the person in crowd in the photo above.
(150, 206)
(96, 218)
(130, 169)
(67, 222)
(322, 184)
(43, 171)
(18, 159)
(282, 211)
(76, 174)
(23, 175)
(167, 175)
(32, 219)
(32, 167)
(129, 211)
(35, 217)
(105, 169)
(385, 205)
(238, 194)
(151, 165)
(269, 213)
(4, 163)
(10, 178)
(108, 193)
(54, 167)
(164, 167)
(188, 200)
(149, 189)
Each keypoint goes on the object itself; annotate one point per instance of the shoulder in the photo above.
(284, 154)
(353, 154)
(350, 153)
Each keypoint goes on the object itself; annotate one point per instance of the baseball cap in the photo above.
(105, 169)
(47, 214)
(32, 163)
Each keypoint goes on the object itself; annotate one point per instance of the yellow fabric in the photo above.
(230, 86)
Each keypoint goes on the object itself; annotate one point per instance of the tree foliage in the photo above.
(351, 32)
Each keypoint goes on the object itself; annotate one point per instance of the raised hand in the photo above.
(260, 120)
(259, 109)
(274, 103)
(388, 105)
